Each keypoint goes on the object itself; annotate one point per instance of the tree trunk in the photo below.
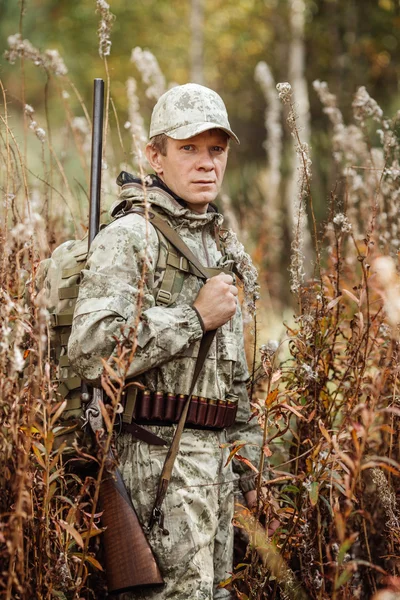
(197, 41)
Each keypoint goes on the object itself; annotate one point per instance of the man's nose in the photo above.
(204, 161)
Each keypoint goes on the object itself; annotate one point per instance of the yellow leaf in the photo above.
(91, 533)
(340, 526)
(233, 452)
(73, 532)
(52, 490)
(94, 562)
(39, 457)
(270, 399)
(324, 431)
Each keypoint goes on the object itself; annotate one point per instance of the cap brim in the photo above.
(185, 132)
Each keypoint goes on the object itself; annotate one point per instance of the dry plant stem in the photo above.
(47, 184)
(23, 95)
(82, 156)
(8, 172)
(254, 356)
(264, 440)
(65, 181)
(107, 105)
(119, 130)
(392, 418)
(366, 541)
(316, 241)
(359, 346)
(22, 164)
(321, 557)
(375, 205)
(80, 99)
(22, 444)
(47, 199)
(105, 453)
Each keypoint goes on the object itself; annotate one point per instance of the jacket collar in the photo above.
(153, 181)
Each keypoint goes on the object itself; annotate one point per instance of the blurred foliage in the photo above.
(348, 43)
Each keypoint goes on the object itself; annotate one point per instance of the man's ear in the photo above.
(154, 157)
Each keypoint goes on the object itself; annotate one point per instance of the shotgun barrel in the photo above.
(96, 160)
(129, 560)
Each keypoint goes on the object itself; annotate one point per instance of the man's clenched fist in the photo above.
(216, 301)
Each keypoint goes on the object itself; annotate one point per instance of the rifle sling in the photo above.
(174, 238)
(156, 515)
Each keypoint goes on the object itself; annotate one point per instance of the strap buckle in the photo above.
(157, 517)
(183, 264)
(163, 297)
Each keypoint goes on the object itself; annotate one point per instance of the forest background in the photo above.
(313, 191)
(348, 44)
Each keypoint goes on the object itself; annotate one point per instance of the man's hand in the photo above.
(251, 501)
(216, 301)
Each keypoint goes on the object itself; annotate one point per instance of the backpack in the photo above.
(59, 276)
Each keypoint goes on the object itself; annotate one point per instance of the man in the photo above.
(188, 150)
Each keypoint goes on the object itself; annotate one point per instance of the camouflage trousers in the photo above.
(197, 554)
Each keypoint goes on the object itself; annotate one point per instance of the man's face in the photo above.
(193, 168)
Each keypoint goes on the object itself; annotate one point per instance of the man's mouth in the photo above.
(204, 182)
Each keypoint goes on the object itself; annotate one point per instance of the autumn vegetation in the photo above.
(323, 347)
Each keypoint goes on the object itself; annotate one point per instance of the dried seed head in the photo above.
(284, 92)
(150, 71)
(105, 25)
(50, 60)
(364, 106)
(235, 252)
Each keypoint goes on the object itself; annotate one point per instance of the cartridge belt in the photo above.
(160, 408)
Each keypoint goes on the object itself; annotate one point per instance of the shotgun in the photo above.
(129, 560)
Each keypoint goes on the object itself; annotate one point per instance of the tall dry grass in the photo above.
(326, 396)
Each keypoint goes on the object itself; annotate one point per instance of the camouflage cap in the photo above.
(187, 110)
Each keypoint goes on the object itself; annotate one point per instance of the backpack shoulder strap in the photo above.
(175, 239)
(175, 259)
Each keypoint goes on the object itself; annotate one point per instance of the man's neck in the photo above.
(160, 183)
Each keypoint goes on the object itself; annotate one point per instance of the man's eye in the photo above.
(218, 149)
(187, 147)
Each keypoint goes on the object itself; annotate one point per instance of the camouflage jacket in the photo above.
(168, 339)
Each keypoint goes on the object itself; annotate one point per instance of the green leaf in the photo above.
(343, 578)
(344, 548)
(291, 488)
(39, 457)
(314, 493)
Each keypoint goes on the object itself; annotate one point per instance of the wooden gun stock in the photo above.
(129, 560)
